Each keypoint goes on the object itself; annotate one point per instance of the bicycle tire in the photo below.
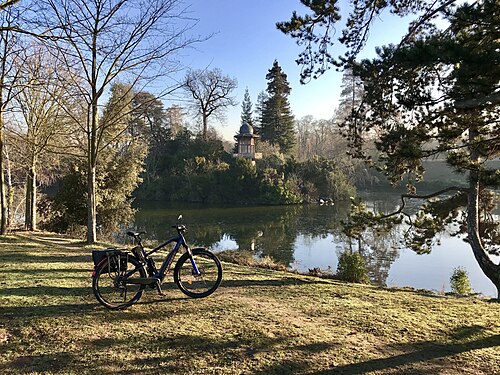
(108, 289)
(204, 284)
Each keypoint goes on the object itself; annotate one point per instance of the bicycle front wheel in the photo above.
(200, 284)
(109, 282)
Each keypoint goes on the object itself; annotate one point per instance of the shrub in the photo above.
(459, 282)
(352, 268)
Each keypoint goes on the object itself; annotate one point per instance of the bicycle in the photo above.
(120, 278)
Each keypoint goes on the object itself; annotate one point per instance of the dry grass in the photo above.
(260, 321)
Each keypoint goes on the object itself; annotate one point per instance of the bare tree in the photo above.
(43, 126)
(319, 138)
(210, 92)
(108, 39)
(9, 49)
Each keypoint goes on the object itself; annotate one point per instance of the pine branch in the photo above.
(423, 197)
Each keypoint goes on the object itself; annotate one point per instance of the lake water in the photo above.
(309, 236)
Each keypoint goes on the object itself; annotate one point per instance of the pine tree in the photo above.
(259, 111)
(278, 126)
(246, 109)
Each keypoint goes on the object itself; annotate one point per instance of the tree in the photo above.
(107, 40)
(210, 92)
(259, 112)
(277, 120)
(9, 74)
(351, 99)
(175, 119)
(246, 109)
(436, 93)
(351, 95)
(118, 172)
(43, 124)
(149, 122)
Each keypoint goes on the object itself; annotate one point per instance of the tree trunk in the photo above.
(9, 187)
(490, 269)
(205, 126)
(28, 205)
(91, 202)
(3, 196)
(91, 175)
(33, 200)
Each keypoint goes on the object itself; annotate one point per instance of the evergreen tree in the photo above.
(259, 111)
(278, 125)
(246, 110)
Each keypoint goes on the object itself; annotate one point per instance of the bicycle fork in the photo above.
(196, 271)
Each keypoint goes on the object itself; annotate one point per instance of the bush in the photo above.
(459, 282)
(352, 268)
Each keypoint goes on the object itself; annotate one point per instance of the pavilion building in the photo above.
(245, 143)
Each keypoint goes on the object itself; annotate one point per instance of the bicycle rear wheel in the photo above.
(109, 281)
(206, 281)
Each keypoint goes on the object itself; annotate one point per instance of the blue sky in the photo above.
(246, 42)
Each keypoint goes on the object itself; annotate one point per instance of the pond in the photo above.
(309, 236)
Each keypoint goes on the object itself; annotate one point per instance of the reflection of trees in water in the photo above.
(277, 233)
(270, 231)
(278, 236)
(379, 248)
(203, 230)
(266, 231)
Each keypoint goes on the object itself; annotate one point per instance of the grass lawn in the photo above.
(258, 322)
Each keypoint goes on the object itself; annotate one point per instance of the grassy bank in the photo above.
(259, 322)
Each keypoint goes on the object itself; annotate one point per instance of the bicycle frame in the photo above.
(180, 241)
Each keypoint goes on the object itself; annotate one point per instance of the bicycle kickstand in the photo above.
(158, 288)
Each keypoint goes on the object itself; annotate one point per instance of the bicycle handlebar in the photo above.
(180, 228)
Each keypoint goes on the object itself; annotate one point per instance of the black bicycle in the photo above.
(119, 278)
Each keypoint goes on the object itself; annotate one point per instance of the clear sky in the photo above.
(246, 43)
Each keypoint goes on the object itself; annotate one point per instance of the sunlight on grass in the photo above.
(260, 321)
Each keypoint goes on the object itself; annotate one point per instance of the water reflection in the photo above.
(309, 236)
(379, 249)
(244, 224)
(269, 231)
